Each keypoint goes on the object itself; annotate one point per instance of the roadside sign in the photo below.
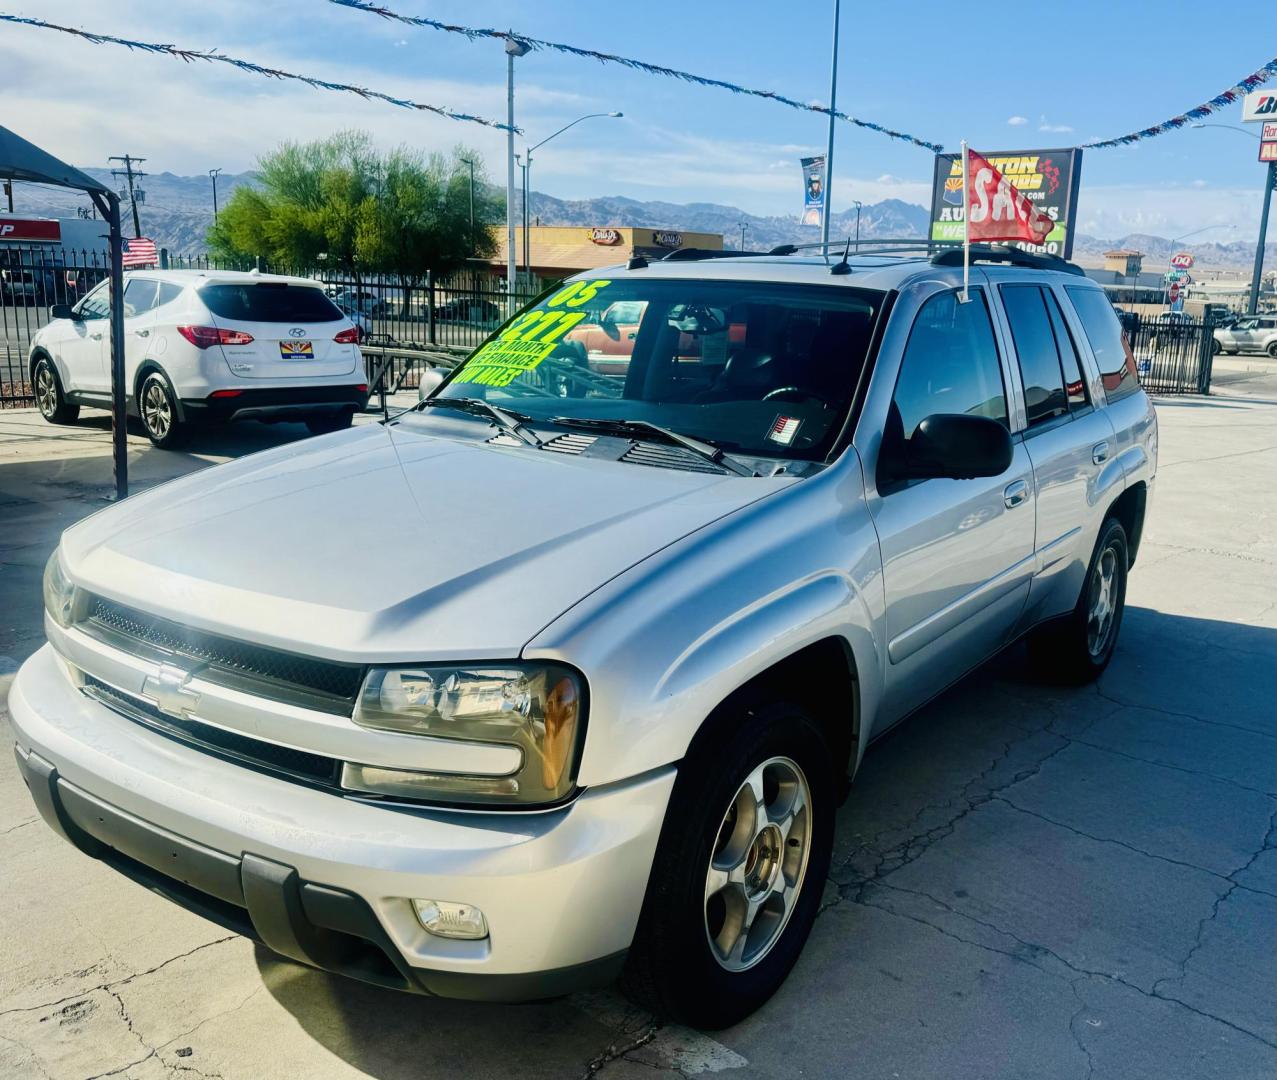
(1259, 105)
(1174, 291)
(1270, 131)
(1182, 260)
(1268, 150)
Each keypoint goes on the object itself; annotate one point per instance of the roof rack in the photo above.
(1010, 255)
(692, 254)
(864, 247)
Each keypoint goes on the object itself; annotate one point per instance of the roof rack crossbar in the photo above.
(1011, 255)
(692, 254)
(915, 243)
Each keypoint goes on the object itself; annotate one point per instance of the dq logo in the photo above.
(1182, 261)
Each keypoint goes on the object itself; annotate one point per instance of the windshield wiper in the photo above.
(506, 421)
(708, 451)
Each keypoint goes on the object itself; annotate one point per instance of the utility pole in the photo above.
(829, 153)
(1253, 304)
(513, 48)
(213, 176)
(470, 162)
(132, 174)
(859, 204)
(743, 226)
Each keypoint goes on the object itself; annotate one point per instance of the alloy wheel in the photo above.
(758, 864)
(1102, 606)
(156, 411)
(46, 390)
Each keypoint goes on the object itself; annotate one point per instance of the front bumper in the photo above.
(277, 402)
(329, 881)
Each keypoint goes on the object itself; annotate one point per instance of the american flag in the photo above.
(139, 252)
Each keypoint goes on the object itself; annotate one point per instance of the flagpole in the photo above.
(966, 225)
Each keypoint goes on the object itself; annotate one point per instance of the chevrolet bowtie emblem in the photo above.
(168, 692)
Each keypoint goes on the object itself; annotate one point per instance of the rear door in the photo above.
(83, 352)
(1070, 443)
(279, 330)
(139, 305)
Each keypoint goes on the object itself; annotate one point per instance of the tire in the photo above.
(1072, 650)
(326, 422)
(689, 962)
(1216, 348)
(49, 396)
(1272, 349)
(158, 410)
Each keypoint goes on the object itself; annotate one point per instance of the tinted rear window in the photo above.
(1104, 332)
(269, 302)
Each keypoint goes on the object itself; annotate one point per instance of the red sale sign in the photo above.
(997, 210)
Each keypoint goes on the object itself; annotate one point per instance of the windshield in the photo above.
(749, 367)
(269, 302)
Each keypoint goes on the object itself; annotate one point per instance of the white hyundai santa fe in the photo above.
(630, 633)
(210, 345)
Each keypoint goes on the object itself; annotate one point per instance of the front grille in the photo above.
(270, 673)
(282, 760)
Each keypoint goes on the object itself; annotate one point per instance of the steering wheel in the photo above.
(792, 393)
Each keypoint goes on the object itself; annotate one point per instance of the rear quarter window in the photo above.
(269, 302)
(1104, 332)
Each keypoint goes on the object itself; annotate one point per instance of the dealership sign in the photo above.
(603, 236)
(47, 230)
(1047, 178)
(1182, 260)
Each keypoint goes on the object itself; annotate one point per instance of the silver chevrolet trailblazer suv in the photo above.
(562, 674)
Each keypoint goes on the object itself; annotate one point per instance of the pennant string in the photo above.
(189, 55)
(476, 33)
(1228, 97)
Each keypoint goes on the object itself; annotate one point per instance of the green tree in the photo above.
(341, 202)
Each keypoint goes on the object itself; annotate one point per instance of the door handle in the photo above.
(1099, 453)
(96, 337)
(1015, 494)
(142, 333)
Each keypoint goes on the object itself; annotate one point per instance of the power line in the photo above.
(475, 33)
(247, 65)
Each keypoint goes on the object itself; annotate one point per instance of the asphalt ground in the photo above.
(1028, 881)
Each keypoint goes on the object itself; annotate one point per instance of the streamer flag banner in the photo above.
(813, 190)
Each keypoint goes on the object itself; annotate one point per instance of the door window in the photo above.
(1074, 383)
(950, 366)
(97, 305)
(139, 297)
(1044, 397)
(1112, 354)
(166, 293)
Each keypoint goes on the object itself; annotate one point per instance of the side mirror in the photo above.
(608, 324)
(958, 446)
(62, 311)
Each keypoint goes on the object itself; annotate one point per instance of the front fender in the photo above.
(666, 642)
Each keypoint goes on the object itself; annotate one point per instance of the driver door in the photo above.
(957, 555)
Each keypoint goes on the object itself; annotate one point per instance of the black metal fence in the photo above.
(402, 321)
(1173, 356)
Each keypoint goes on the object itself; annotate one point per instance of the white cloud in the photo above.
(1045, 125)
(1017, 121)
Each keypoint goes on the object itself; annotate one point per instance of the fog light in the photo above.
(446, 919)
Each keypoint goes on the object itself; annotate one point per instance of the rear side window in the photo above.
(168, 292)
(1104, 332)
(269, 302)
(139, 296)
(1074, 383)
(1044, 397)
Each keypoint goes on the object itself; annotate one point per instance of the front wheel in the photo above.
(1272, 349)
(1077, 648)
(739, 869)
(159, 412)
(49, 397)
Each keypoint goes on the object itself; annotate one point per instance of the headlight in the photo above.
(538, 708)
(59, 593)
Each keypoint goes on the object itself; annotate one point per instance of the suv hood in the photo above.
(384, 544)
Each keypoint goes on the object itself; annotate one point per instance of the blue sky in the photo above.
(1085, 69)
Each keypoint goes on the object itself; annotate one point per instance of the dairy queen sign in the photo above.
(603, 236)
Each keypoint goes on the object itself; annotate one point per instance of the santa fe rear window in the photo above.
(269, 302)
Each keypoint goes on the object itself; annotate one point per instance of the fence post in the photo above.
(163, 258)
(430, 306)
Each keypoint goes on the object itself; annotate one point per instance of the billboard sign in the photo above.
(1260, 105)
(1268, 150)
(813, 190)
(1047, 178)
(47, 230)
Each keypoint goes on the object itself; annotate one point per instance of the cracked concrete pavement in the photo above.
(1029, 881)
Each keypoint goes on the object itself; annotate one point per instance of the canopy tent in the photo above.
(23, 160)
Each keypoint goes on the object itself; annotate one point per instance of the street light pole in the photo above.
(859, 204)
(513, 48)
(1253, 304)
(829, 153)
(743, 226)
(213, 176)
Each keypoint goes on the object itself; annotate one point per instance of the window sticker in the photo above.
(784, 430)
(530, 338)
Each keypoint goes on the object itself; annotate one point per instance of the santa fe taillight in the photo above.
(204, 337)
(349, 336)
